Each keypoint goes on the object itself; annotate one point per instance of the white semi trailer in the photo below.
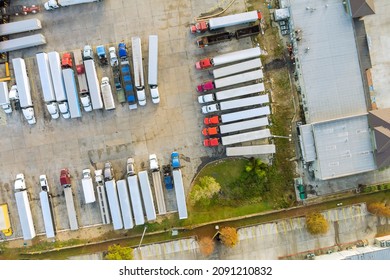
(237, 68)
(24, 89)
(125, 205)
(113, 202)
(93, 84)
(22, 43)
(55, 4)
(139, 81)
(153, 68)
(236, 103)
(147, 195)
(245, 114)
(180, 194)
(20, 26)
(136, 201)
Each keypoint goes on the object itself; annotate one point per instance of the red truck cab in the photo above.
(211, 142)
(199, 27)
(211, 120)
(67, 61)
(206, 86)
(203, 63)
(80, 69)
(65, 177)
(208, 131)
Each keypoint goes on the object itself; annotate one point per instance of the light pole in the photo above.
(142, 237)
(285, 137)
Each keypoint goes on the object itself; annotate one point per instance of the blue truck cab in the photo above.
(102, 55)
(175, 160)
(122, 50)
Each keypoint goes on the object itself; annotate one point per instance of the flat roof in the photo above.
(328, 60)
(343, 147)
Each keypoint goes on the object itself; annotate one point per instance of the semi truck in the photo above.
(228, 58)
(237, 116)
(235, 103)
(231, 93)
(136, 202)
(231, 80)
(237, 138)
(234, 127)
(138, 70)
(125, 205)
(126, 76)
(250, 150)
(157, 184)
(147, 195)
(225, 21)
(71, 93)
(102, 197)
(23, 206)
(237, 68)
(113, 202)
(55, 4)
(179, 191)
(102, 55)
(20, 26)
(87, 184)
(5, 101)
(5, 224)
(93, 84)
(67, 186)
(18, 10)
(108, 99)
(24, 89)
(22, 43)
(153, 68)
(46, 206)
(82, 81)
(47, 85)
(58, 83)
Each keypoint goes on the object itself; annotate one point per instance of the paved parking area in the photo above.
(174, 124)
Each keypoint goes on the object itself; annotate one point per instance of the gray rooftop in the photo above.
(333, 84)
(343, 147)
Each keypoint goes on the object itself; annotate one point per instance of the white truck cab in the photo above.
(113, 57)
(53, 109)
(64, 109)
(20, 184)
(87, 52)
(210, 108)
(29, 115)
(153, 162)
(86, 102)
(206, 98)
(43, 183)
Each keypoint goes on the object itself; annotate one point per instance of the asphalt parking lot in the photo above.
(100, 136)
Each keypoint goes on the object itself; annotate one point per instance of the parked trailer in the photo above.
(47, 213)
(247, 31)
(245, 114)
(126, 76)
(147, 195)
(250, 150)
(228, 58)
(24, 89)
(108, 99)
(138, 70)
(237, 68)
(125, 205)
(153, 68)
(22, 43)
(244, 137)
(231, 93)
(72, 216)
(102, 197)
(214, 39)
(71, 93)
(231, 80)
(157, 184)
(58, 83)
(5, 224)
(82, 81)
(234, 127)
(24, 210)
(225, 21)
(55, 4)
(136, 201)
(113, 202)
(180, 194)
(235, 103)
(87, 185)
(93, 84)
(47, 85)
(20, 26)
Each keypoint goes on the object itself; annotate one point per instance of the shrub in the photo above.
(316, 223)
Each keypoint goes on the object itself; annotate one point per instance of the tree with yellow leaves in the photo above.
(228, 236)
(206, 246)
(316, 223)
(379, 209)
(117, 252)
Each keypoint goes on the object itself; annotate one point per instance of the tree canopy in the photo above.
(316, 223)
(379, 209)
(229, 236)
(206, 246)
(117, 252)
(203, 192)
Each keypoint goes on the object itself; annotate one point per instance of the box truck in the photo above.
(24, 89)
(5, 101)
(153, 68)
(228, 58)
(157, 184)
(22, 43)
(20, 26)
(147, 195)
(67, 186)
(23, 206)
(58, 83)
(124, 202)
(235, 103)
(231, 80)
(236, 126)
(225, 21)
(47, 85)
(108, 99)
(138, 70)
(87, 185)
(237, 68)
(46, 206)
(93, 84)
(136, 202)
(113, 202)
